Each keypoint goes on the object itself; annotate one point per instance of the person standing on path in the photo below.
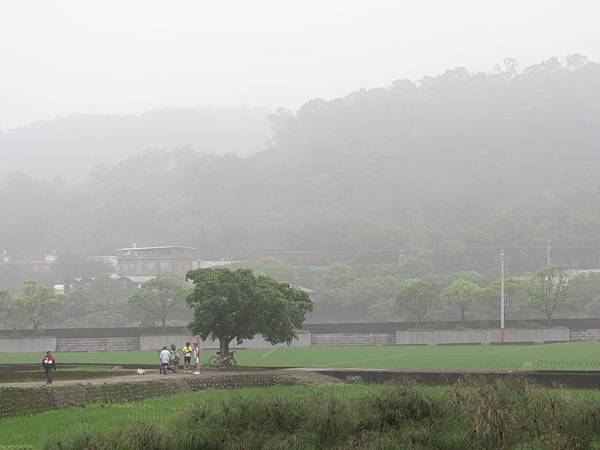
(174, 358)
(49, 366)
(197, 357)
(165, 357)
(187, 357)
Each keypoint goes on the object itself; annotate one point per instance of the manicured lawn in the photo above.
(34, 430)
(562, 356)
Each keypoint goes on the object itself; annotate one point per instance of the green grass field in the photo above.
(562, 356)
(106, 419)
(34, 430)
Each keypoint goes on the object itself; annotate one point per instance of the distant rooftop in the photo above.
(155, 248)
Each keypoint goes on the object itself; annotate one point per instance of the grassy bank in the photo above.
(563, 356)
(500, 415)
(34, 430)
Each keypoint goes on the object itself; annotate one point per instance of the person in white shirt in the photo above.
(197, 357)
(165, 357)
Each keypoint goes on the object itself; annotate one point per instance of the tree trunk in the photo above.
(419, 319)
(163, 324)
(462, 316)
(224, 345)
(37, 328)
(549, 319)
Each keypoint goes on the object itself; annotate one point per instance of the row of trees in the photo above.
(108, 302)
(412, 292)
(227, 305)
(546, 291)
(105, 302)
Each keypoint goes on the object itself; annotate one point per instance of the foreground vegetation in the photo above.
(563, 356)
(35, 430)
(467, 415)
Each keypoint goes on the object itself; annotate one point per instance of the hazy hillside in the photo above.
(70, 147)
(450, 168)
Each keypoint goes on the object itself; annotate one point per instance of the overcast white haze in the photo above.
(122, 57)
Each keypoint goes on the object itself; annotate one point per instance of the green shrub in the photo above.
(136, 436)
(395, 406)
(476, 414)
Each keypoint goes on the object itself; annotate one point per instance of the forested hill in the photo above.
(71, 146)
(451, 168)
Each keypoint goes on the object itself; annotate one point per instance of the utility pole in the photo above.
(502, 333)
(548, 253)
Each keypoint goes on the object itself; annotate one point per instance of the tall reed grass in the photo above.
(468, 415)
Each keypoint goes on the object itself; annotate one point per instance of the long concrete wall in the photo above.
(100, 344)
(592, 334)
(488, 336)
(317, 328)
(156, 342)
(28, 345)
(328, 339)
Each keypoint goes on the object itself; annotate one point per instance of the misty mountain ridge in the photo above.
(71, 146)
(437, 167)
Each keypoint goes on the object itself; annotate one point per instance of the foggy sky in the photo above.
(70, 56)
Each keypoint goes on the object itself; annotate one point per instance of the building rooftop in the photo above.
(155, 248)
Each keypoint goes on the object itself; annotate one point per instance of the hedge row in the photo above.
(19, 401)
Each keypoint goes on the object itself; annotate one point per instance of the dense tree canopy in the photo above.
(513, 295)
(460, 295)
(548, 290)
(159, 298)
(584, 290)
(236, 304)
(417, 297)
(35, 306)
(99, 303)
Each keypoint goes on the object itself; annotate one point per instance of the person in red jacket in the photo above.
(49, 366)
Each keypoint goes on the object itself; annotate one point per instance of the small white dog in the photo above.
(141, 372)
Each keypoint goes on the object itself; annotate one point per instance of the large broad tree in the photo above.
(548, 290)
(330, 281)
(158, 298)
(460, 295)
(417, 297)
(369, 291)
(237, 304)
(584, 292)
(36, 305)
(513, 294)
(101, 302)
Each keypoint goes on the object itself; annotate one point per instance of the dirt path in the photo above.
(154, 375)
(330, 375)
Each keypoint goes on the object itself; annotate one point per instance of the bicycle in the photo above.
(222, 361)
